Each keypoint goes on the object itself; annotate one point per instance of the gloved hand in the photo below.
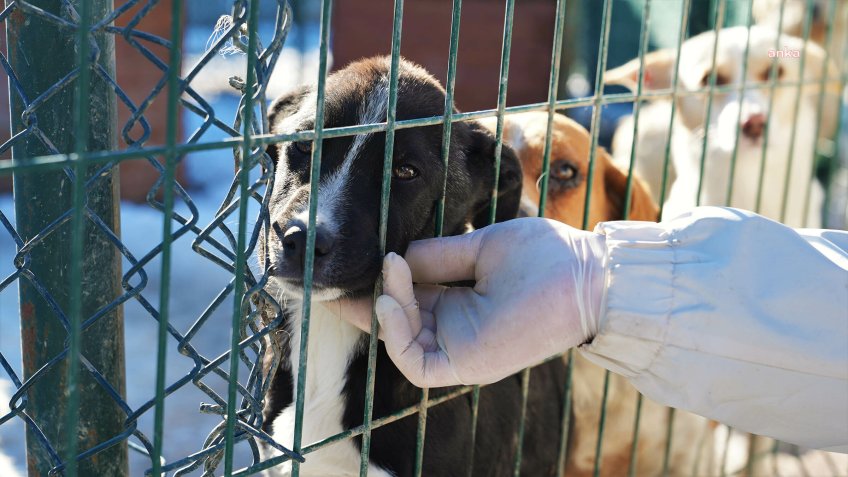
(538, 292)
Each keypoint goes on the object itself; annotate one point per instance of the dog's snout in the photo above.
(294, 240)
(294, 243)
(753, 127)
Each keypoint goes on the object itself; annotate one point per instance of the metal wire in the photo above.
(226, 253)
(251, 340)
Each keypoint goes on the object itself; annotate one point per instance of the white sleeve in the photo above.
(732, 316)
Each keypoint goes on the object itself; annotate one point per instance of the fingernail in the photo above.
(387, 261)
(385, 305)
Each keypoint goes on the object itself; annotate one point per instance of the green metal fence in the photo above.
(60, 68)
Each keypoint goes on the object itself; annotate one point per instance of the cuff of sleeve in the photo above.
(639, 296)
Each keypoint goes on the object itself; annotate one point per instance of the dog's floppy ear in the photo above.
(659, 66)
(481, 161)
(642, 206)
(816, 64)
(280, 108)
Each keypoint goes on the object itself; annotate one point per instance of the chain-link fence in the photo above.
(76, 274)
(60, 66)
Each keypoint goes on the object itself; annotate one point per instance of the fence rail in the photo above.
(66, 145)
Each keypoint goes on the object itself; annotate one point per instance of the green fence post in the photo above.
(41, 54)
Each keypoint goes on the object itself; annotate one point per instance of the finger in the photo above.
(428, 295)
(397, 283)
(423, 369)
(446, 259)
(354, 311)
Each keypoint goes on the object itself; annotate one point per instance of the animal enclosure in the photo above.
(78, 279)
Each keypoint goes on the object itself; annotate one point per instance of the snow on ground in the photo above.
(8, 467)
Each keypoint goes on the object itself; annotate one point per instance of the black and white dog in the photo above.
(348, 262)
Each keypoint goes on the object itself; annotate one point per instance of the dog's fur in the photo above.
(348, 262)
(796, 13)
(569, 164)
(687, 138)
(569, 169)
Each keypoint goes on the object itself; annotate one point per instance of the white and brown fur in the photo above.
(348, 262)
(796, 13)
(726, 121)
(567, 187)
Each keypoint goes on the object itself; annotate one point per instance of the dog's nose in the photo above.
(753, 127)
(294, 243)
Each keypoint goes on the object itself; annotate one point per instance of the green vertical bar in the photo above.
(385, 193)
(631, 471)
(241, 243)
(309, 259)
(553, 82)
(440, 215)
(76, 263)
(808, 22)
(174, 90)
(766, 130)
(603, 48)
(566, 415)
(837, 152)
(718, 19)
(475, 408)
(819, 112)
(669, 431)
(601, 424)
(637, 106)
(598, 101)
(553, 89)
(675, 82)
(525, 388)
(448, 116)
(742, 86)
(506, 46)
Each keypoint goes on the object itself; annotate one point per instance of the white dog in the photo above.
(782, 186)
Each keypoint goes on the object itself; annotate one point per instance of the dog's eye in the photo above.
(767, 74)
(304, 147)
(720, 79)
(405, 172)
(563, 171)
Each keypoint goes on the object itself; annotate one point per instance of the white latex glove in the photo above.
(538, 292)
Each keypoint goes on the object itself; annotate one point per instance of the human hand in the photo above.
(538, 292)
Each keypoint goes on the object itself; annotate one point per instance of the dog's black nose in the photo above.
(294, 243)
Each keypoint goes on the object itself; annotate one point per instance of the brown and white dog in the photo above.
(737, 136)
(567, 187)
(569, 169)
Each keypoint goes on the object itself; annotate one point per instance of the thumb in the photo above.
(423, 369)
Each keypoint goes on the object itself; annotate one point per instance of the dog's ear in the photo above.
(659, 66)
(818, 67)
(642, 206)
(481, 163)
(280, 108)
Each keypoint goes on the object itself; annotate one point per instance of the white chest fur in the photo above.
(332, 344)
